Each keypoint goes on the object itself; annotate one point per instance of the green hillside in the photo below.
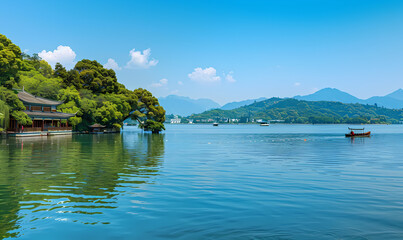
(89, 90)
(298, 111)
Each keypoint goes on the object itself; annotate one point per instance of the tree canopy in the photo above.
(150, 115)
(89, 90)
(10, 62)
(4, 115)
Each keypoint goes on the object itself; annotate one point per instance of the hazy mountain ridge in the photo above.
(393, 100)
(398, 94)
(233, 105)
(184, 106)
(330, 94)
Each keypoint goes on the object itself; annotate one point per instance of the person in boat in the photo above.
(352, 133)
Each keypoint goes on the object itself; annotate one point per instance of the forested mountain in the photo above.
(299, 111)
(385, 101)
(233, 105)
(392, 100)
(185, 106)
(89, 90)
(330, 94)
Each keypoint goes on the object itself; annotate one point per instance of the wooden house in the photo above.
(46, 120)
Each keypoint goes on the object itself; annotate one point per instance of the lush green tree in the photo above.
(85, 93)
(69, 94)
(38, 84)
(70, 107)
(45, 69)
(11, 98)
(123, 102)
(88, 108)
(109, 115)
(149, 113)
(60, 72)
(22, 118)
(10, 62)
(75, 121)
(31, 62)
(96, 78)
(4, 115)
(73, 79)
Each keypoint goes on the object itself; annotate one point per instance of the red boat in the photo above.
(361, 133)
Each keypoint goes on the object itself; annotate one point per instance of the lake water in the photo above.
(205, 182)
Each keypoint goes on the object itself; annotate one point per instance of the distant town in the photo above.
(176, 119)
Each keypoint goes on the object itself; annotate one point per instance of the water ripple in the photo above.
(200, 182)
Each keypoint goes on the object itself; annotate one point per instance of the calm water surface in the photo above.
(205, 182)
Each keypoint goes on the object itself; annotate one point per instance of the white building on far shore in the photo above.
(176, 120)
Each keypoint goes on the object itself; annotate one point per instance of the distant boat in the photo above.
(361, 133)
(215, 124)
(264, 124)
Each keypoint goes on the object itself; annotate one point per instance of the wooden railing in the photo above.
(26, 129)
(38, 129)
(34, 129)
(60, 128)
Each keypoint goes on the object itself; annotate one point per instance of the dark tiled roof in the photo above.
(96, 125)
(55, 115)
(29, 98)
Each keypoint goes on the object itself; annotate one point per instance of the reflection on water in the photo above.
(358, 140)
(71, 178)
(205, 182)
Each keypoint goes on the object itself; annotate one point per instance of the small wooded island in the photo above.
(34, 97)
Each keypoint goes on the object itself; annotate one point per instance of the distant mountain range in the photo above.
(185, 106)
(233, 105)
(392, 100)
(398, 94)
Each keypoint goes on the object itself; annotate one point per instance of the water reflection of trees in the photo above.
(69, 175)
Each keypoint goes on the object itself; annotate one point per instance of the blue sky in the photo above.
(223, 50)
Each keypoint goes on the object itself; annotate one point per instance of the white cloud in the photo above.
(180, 83)
(164, 81)
(207, 75)
(161, 83)
(141, 59)
(229, 77)
(297, 84)
(112, 64)
(62, 54)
